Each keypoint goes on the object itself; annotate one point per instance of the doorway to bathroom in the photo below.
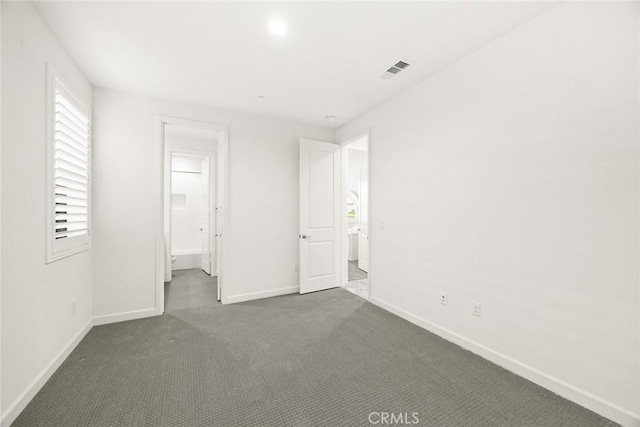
(192, 206)
(355, 189)
(194, 177)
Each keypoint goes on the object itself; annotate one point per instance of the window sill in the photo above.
(67, 253)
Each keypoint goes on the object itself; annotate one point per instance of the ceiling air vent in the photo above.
(395, 69)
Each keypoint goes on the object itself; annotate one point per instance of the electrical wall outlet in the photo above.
(296, 267)
(444, 300)
(475, 308)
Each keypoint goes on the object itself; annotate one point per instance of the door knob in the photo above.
(304, 236)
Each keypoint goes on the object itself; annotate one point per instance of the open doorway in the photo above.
(192, 201)
(355, 190)
(194, 167)
(191, 240)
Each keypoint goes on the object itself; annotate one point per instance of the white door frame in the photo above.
(168, 215)
(222, 182)
(344, 274)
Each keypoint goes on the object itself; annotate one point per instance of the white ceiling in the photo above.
(221, 54)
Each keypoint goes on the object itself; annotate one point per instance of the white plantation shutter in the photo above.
(71, 172)
(70, 162)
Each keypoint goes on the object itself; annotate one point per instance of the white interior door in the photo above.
(205, 217)
(320, 224)
(363, 248)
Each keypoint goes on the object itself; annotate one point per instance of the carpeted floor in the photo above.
(322, 359)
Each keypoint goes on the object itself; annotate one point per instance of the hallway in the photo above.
(190, 289)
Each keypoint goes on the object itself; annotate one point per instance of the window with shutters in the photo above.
(69, 166)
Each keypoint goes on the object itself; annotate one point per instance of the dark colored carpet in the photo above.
(323, 359)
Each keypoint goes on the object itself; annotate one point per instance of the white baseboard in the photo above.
(122, 317)
(25, 397)
(186, 260)
(261, 294)
(596, 404)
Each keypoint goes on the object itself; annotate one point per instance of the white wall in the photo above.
(190, 139)
(37, 320)
(516, 171)
(262, 211)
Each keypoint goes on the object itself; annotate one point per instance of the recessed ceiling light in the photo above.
(261, 98)
(330, 118)
(278, 27)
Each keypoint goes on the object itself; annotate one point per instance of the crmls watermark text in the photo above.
(392, 418)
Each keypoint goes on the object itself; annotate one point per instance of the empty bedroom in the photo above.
(323, 213)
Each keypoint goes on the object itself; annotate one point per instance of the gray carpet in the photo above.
(323, 359)
(354, 273)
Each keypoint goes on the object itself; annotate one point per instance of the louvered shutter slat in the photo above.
(61, 136)
(64, 235)
(71, 115)
(78, 129)
(67, 183)
(71, 157)
(72, 151)
(66, 209)
(71, 176)
(74, 167)
(70, 133)
(66, 191)
(73, 110)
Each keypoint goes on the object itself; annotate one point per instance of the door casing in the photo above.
(222, 241)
